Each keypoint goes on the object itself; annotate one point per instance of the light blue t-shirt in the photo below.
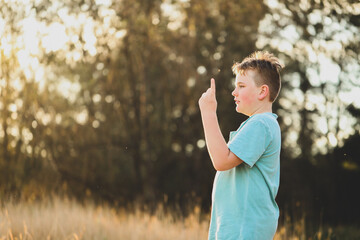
(243, 198)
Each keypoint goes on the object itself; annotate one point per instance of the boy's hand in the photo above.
(207, 101)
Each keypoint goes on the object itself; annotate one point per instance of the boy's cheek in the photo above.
(245, 100)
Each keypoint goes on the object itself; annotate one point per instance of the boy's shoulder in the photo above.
(267, 120)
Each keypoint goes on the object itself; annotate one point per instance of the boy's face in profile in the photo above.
(246, 92)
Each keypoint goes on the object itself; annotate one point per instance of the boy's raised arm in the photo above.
(221, 157)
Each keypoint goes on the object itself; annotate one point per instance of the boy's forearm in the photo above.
(215, 141)
(220, 155)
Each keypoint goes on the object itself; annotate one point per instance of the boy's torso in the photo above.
(244, 197)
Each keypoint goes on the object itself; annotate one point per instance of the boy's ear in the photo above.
(264, 92)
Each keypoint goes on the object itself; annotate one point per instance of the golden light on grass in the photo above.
(65, 219)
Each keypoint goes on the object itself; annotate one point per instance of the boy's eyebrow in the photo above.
(238, 83)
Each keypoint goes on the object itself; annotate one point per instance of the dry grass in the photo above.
(63, 219)
(69, 220)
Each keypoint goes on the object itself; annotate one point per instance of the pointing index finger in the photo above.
(212, 84)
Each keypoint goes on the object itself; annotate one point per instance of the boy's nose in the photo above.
(233, 93)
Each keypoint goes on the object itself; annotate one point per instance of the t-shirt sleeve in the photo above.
(250, 142)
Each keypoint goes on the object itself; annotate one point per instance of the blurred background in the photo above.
(98, 100)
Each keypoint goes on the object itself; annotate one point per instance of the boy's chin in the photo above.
(239, 111)
(242, 112)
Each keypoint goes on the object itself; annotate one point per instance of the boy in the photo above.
(248, 166)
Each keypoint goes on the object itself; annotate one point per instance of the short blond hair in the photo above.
(268, 68)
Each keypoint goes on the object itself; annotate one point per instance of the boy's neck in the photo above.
(264, 108)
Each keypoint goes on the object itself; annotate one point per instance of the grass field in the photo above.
(68, 220)
(64, 219)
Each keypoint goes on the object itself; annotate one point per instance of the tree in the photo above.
(116, 113)
(24, 116)
(317, 39)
